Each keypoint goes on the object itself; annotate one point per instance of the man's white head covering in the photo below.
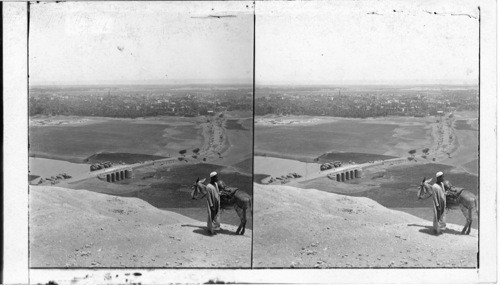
(439, 174)
(213, 174)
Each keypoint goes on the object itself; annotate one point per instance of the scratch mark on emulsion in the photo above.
(214, 16)
(451, 14)
(430, 13)
(468, 15)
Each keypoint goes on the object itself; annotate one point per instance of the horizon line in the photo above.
(373, 83)
(132, 84)
(46, 84)
(231, 81)
(366, 85)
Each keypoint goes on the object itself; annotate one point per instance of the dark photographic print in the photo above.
(140, 134)
(366, 135)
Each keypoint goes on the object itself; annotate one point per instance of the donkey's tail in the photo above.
(250, 205)
(476, 205)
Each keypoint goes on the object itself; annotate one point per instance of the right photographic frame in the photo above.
(366, 135)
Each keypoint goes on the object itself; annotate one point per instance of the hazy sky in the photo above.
(141, 42)
(366, 42)
(296, 42)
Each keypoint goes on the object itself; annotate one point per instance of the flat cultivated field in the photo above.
(169, 188)
(396, 188)
(387, 136)
(239, 153)
(77, 141)
(466, 156)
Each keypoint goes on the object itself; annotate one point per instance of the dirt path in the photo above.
(444, 138)
(79, 228)
(310, 228)
(214, 137)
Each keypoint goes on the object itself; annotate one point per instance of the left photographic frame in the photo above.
(140, 134)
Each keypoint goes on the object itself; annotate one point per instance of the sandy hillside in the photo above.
(79, 228)
(310, 228)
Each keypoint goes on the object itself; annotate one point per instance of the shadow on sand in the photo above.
(430, 230)
(204, 231)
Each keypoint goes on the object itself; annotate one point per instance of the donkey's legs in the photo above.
(468, 216)
(470, 221)
(244, 221)
(239, 211)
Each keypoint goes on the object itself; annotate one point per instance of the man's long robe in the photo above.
(439, 202)
(213, 208)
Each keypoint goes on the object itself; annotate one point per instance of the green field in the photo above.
(356, 157)
(344, 135)
(182, 176)
(170, 188)
(246, 165)
(234, 125)
(472, 166)
(399, 190)
(468, 151)
(77, 142)
(239, 154)
(128, 158)
(398, 187)
(257, 178)
(463, 125)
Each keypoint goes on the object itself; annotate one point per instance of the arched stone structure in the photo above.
(346, 174)
(357, 173)
(118, 175)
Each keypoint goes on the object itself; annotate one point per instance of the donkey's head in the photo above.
(424, 187)
(198, 187)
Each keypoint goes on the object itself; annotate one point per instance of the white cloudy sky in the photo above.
(366, 42)
(296, 42)
(141, 42)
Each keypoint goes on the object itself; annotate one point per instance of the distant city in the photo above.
(138, 101)
(189, 101)
(363, 102)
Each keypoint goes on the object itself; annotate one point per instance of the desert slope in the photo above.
(79, 228)
(310, 228)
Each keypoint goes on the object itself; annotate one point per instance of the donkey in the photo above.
(240, 200)
(466, 200)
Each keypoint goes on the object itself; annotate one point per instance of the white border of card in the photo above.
(16, 255)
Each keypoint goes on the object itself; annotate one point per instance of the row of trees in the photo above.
(184, 151)
(424, 151)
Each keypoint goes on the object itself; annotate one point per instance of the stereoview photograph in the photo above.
(366, 135)
(140, 134)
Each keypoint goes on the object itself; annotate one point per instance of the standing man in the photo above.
(440, 180)
(449, 190)
(445, 184)
(439, 199)
(213, 204)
